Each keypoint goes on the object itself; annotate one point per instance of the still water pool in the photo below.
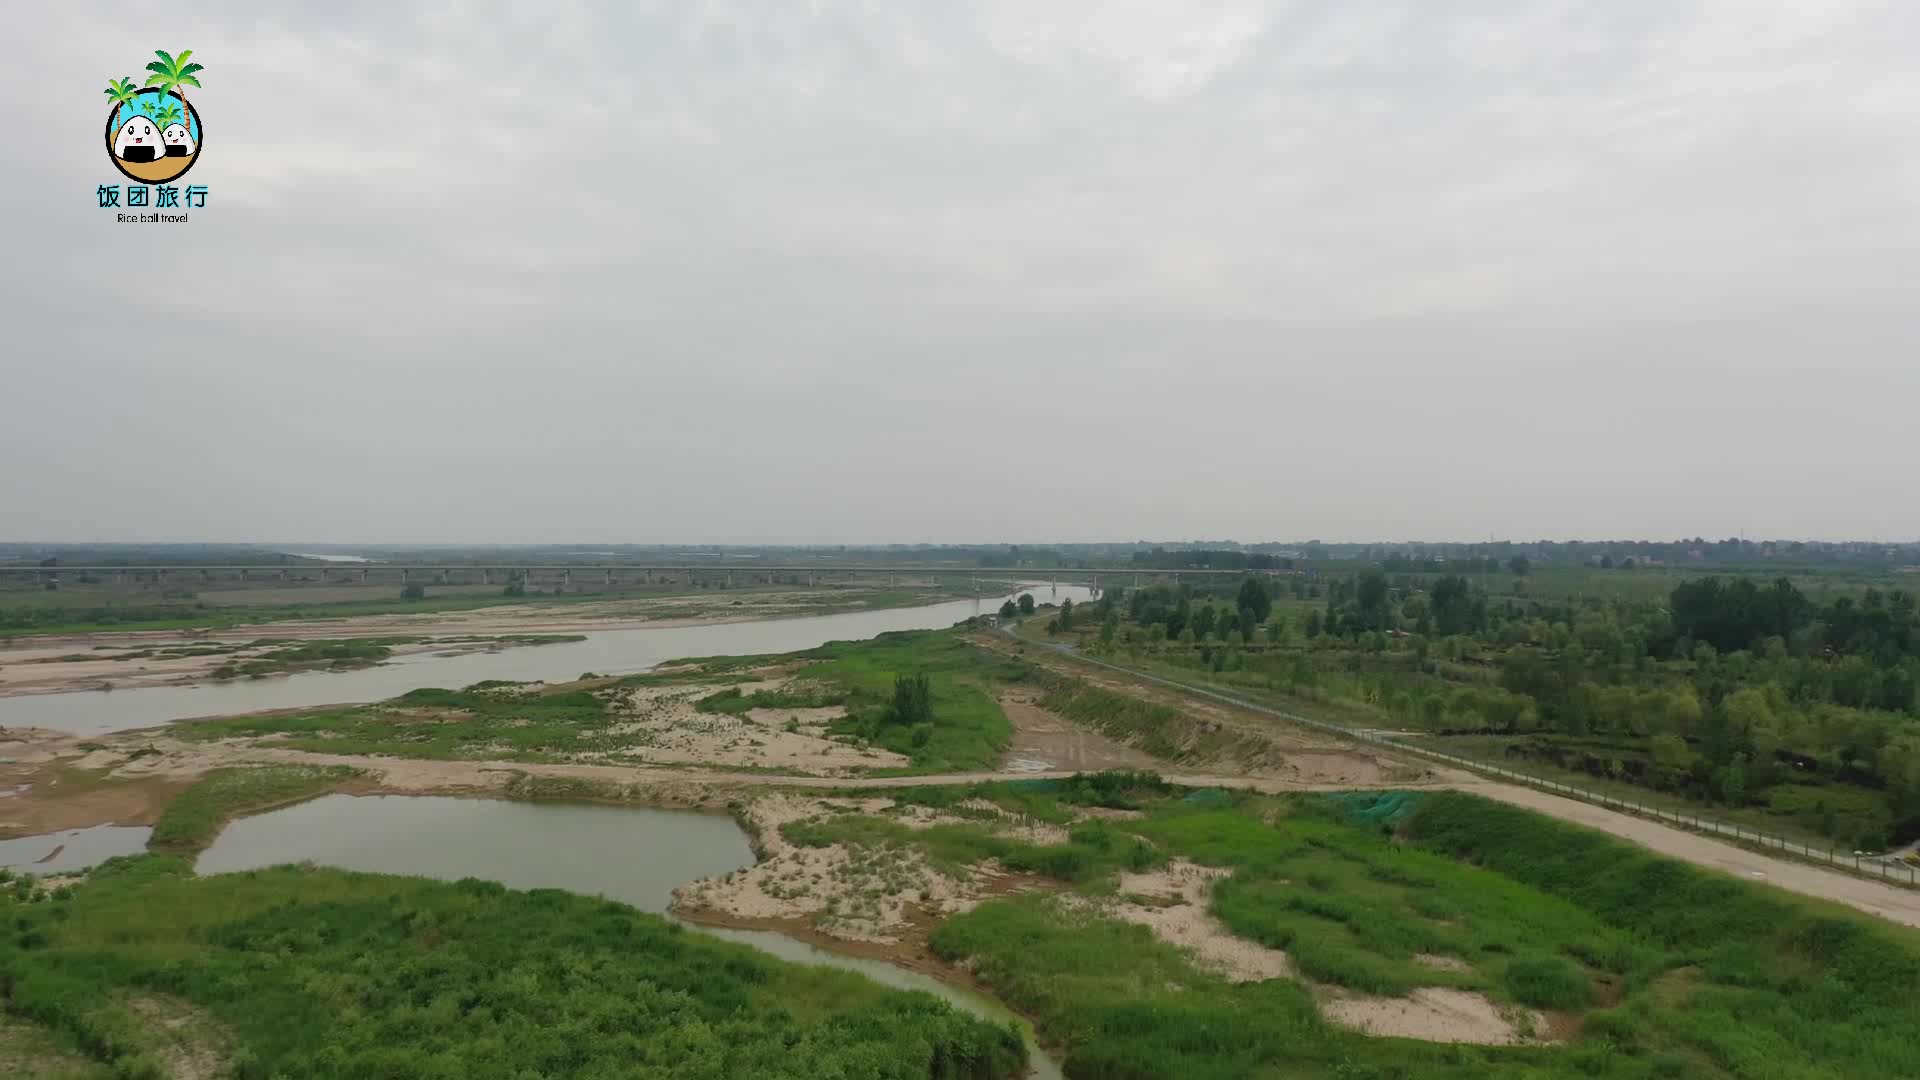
(634, 856)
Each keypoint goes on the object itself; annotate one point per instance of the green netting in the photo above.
(1037, 787)
(1208, 798)
(1372, 807)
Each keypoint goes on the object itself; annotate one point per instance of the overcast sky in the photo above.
(778, 271)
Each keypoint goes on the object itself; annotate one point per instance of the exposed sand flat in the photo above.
(1054, 742)
(1177, 913)
(857, 895)
(31, 665)
(55, 671)
(1433, 1013)
(673, 730)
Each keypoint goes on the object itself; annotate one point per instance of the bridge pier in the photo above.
(606, 578)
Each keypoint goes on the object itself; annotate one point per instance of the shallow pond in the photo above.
(75, 849)
(608, 652)
(634, 856)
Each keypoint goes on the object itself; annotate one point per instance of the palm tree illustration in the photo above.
(170, 114)
(169, 74)
(122, 92)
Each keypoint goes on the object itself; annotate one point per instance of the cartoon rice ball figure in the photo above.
(137, 140)
(177, 141)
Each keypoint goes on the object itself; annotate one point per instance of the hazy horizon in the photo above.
(814, 274)
(585, 544)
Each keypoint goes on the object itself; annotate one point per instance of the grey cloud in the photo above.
(835, 272)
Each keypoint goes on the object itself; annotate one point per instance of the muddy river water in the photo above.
(634, 856)
(606, 652)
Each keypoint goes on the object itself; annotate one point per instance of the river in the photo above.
(607, 652)
(634, 856)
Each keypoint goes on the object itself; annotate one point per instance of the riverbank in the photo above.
(111, 659)
(631, 650)
(1314, 923)
(69, 666)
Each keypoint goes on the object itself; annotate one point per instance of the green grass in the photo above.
(1663, 970)
(29, 1050)
(495, 722)
(969, 730)
(323, 974)
(732, 702)
(517, 722)
(197, 815)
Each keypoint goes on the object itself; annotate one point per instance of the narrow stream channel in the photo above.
(634, 856)
(607, 652)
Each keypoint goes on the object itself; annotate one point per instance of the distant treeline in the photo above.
(1209, 559)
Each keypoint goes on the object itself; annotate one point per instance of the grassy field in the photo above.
(323, 974)
(1643, 967)
(516, 722)
(197, 815)
(506, 722)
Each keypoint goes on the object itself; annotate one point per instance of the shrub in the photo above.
(1548, 982)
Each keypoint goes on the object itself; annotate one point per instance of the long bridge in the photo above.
(607, 574)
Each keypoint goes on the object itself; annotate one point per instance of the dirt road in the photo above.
(1873, 897)
(1887, 901)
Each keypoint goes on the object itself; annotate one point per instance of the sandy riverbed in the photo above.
(46, 664)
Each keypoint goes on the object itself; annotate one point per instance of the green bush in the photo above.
(1548, 982)
(334, 976)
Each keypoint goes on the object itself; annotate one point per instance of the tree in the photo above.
(1203, 621)
(1066, 614)
(169, 75)
(1733, 781)
(1670, 753)
(1313, 624)
(1108, 627)
(1026, 603)
(1008, 610)
(1373, 601)
(1277, 629)
(415, 591)
(122, 92)
(169, 114)
(912, 700)
(1254, 595)
(1455, 608)
(1520, 565)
